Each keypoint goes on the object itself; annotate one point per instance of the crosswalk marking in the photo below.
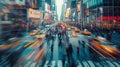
(46, 64)
(116, 64)
(33, 64)
(98, 64)
(110, 63)
(53, 63)
(60, 63)
(28, 64)
(91, 63)
(85, 64)
(79, 64)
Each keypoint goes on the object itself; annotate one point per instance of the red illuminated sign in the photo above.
(109, 18)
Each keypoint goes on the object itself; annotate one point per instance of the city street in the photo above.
(59, 33)
(54, 52)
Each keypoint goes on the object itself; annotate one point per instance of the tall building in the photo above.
(53, 9)
(13, 17)
(71, 5)
(73, 13)
(63, 11)
(41, 4)
(102, 12)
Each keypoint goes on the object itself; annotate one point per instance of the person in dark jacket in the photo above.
(69, 51)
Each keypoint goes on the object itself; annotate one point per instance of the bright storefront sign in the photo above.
(109, 18)
(68, 12)
(33, 13)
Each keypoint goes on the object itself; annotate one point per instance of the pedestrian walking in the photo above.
(73, 64)
(63, 60)
(108, 36)
(79, 42)
(52, 48)
(60, 42)
(83, 43)
(69, 52)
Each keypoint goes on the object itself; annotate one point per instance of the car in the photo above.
(86, 33)
(10, 43)
(34, 32)
(40, 36)
(77, 30)
(74, 34)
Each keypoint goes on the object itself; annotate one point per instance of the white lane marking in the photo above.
(53, 63)
(85, 64)
(59, 63)
(79, 64)
(46, 64)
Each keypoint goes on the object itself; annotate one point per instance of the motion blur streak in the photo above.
(97, 51)
(31, 55)
(38, 54)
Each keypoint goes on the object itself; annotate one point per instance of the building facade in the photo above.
(103, 13)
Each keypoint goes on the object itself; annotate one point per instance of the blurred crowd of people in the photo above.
(64, 45)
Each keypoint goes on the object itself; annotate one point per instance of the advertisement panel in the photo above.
(67, 13)
(33, 13)
(78, 7)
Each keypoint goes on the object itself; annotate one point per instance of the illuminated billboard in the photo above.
(33, 13)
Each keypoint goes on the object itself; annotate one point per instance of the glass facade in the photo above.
(41, 3)
(84, 1)
(110, 13)
(73, 4)
(92, 3)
